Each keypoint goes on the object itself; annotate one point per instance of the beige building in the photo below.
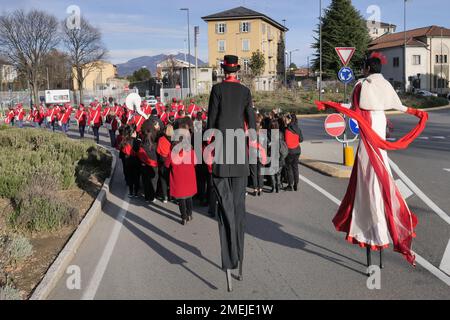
(98, 75)
(378, 29)
(241, 31)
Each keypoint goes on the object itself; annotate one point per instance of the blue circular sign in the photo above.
(346, 75)
(354, 126)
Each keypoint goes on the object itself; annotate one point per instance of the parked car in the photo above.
(425, 93)
(152, 100)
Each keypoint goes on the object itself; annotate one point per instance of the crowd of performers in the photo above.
(147, 157)
(144, 141)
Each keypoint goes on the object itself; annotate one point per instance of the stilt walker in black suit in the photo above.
(230, 108)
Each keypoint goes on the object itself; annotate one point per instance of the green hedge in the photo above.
(34, 165)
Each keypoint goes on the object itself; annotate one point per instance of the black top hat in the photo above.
(231, 64)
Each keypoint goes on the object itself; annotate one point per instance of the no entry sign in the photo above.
(335, 125)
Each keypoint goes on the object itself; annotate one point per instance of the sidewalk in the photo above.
(326, 157)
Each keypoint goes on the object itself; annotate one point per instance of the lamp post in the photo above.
(404, 45)
(290, 56)
(189, 47)
(321, 48)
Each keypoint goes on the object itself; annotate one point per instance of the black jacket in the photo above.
(230, 105)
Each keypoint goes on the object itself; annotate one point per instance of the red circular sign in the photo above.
(335, 125)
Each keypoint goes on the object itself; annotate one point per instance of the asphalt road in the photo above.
(139, 251)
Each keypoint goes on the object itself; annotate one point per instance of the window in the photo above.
(221, 45)
(396, 62)
(221, 28)
(246, 63)
(245, 45)
(417, 60)
(440, 59)
(245, 27)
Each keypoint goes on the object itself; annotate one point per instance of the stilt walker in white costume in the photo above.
(373, 213)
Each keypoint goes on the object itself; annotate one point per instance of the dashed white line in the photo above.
(439, 137)
(445, 263)
(424, 138)
(419, 193)
(448, 170)
(102, 264)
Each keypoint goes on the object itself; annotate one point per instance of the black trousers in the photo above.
(82, 129)
(163, 178)
(133, 172)
(185, 206)
(212, 198)
(256, 177)
(96, 134)
(292, 169)
(231, 216)
(150, 181)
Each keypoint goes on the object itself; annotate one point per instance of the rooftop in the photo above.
(414, 37)
(242, 12)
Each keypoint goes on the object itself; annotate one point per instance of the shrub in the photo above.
(18, 249)
(9, 293)
(38, 208)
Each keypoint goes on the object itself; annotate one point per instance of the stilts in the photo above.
(240, 277)
(369, 260)
(381, 259)
(229, 281)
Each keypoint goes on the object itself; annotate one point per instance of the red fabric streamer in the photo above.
(401, 222)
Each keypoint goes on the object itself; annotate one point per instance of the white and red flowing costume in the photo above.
(373, 211)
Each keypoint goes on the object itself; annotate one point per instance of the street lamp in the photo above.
(189, 47)
(290, 56)
(321, 48)
(404, 45)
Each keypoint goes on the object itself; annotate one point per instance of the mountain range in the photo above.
(150, 62)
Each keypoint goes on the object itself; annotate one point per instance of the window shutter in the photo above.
(224, 28)
(249, 27)
(217, 28)
(241, 27)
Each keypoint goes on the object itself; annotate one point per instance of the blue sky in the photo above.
(146, 27)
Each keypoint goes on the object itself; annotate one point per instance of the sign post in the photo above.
(346, 76)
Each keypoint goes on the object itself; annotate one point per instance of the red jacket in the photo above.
(145, 159)
(164, 147)
(183, 181)
(95, 117)
(65, 117)
(81, 117)
(20, 113)
(292, 139)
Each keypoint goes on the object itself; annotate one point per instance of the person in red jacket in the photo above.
(183, 183)
(112, 124)
(20, 115)
(292, 136)
(95, 120)
(36, 116)
(81, 117)
(65, 118)
(10, 117)
(149, 162)
(53, 115)
(163, 150)
(181, 106)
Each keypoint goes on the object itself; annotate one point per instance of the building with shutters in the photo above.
(427, 64)
(241, 31)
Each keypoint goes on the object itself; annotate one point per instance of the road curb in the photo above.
(59, 266)
(389, 113)
(326, 168)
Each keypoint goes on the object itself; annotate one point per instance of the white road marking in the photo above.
(445, 263)
(421, 261)
(100, 269)
(419, 193)
(439, 137)
(448, 170)
(321, 190)
(404, 190)
(424, 138)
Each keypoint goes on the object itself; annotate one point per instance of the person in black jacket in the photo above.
(230, 107)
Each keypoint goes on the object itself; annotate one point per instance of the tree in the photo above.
(85, 50)
(142, 74)
(342, 26)
(58, 69)
(257, 63)
(25, 40)
(293, 66)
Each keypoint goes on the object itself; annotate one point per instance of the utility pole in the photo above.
(196, 33)
(321, 61)
(189, 48)
(404, 45)
(48, 81)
